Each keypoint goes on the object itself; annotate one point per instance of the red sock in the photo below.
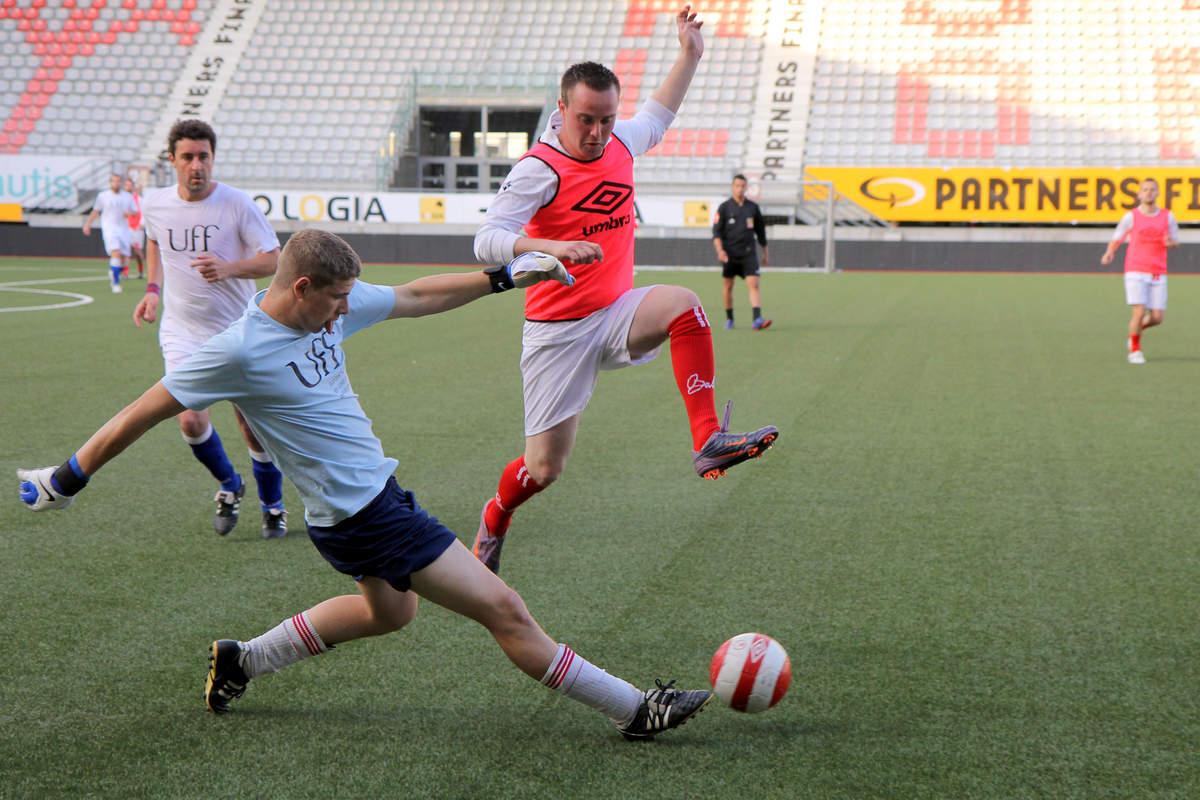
(692, 360)
(515, 488)
(1135, 342)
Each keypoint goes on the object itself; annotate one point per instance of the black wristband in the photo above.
(498, 275)
(67, 482)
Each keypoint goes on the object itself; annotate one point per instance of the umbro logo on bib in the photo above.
(606, 198)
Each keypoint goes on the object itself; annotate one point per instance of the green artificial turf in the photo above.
(976, 538)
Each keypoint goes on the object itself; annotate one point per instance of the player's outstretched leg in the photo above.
(457, 582)
(723, 449)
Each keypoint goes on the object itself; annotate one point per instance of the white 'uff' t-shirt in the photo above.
(226, 224)
(113, 208)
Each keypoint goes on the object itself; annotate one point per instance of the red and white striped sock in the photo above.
(581, 680)
(288, 642)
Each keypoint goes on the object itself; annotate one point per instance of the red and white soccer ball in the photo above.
(750, 672)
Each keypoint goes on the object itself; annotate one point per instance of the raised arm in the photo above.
(691, 47)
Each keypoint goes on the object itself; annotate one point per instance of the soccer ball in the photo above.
(750, 672)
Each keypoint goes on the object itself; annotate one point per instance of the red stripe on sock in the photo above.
(695, 371)
(306, 635)
(564, 665)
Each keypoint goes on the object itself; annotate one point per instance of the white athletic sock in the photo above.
(201, 439)
(581, 680)
(261, 458)
(288, 642)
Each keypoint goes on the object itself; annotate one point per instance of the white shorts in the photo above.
(1146, 289)
(178, 348)
(560, 361)
(116, 239)
(137, 238)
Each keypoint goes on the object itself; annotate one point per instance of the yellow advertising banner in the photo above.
(696, 214)
(433, 209)
(1042, 195)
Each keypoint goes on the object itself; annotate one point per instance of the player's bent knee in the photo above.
(684, 298)
(192, 424)
(510, 614)
(544, 472)
(393, 620)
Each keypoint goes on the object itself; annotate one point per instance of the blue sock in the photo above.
(116, 272)
(269, 480)
(208, 450)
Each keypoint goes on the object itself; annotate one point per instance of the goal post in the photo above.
(815, 206)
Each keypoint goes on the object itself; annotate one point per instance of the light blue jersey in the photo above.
(292, 388)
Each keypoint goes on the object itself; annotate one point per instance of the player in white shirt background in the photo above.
(206, 243)
(137, 231)
(113, 205)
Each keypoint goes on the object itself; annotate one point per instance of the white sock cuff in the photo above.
(303, 635)
(202, 438)
(564, 669)
(261, 458)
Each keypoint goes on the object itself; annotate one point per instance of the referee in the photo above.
(739, 222)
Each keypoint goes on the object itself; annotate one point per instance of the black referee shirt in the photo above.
(737, 227)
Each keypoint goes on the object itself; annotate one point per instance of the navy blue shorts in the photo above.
(390, 538)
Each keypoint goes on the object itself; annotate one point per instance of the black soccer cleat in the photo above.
(724, 449)
(227, 509)
(664, 708)
(274, 523)
(226, 679)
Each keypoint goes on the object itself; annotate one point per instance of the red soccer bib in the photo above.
(594, 203)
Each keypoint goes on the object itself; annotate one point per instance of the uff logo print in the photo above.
(322, 359)
(191, 240)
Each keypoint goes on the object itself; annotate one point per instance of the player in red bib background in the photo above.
(572, 196)
(1151, 231)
